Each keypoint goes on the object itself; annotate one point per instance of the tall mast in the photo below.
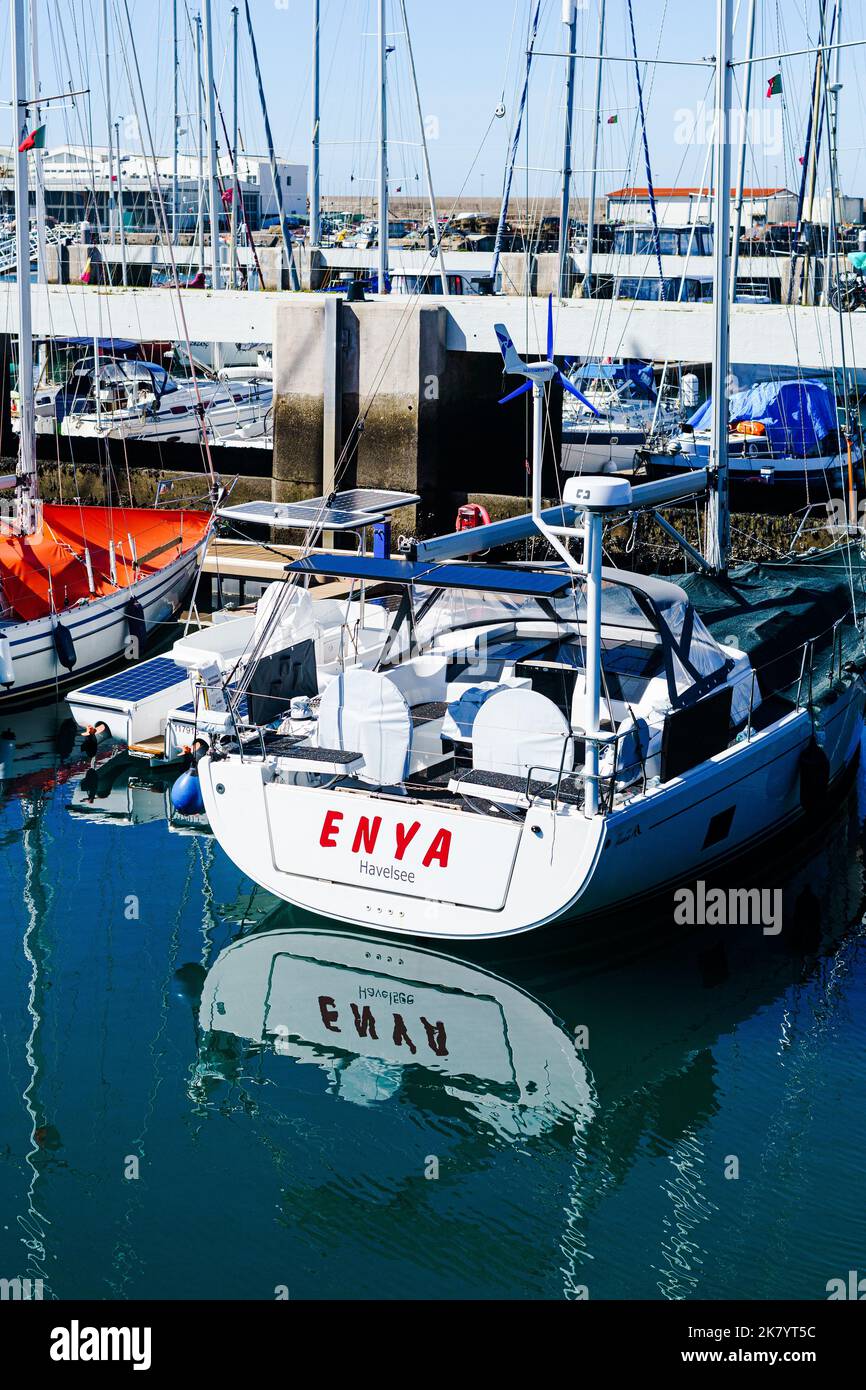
(213, 189)
(175, 122)
(233, 236)
(593, 163)
(272, 158)
(718, 523)
(315, 210)
(200, 124)
(124, 274)
(39, 177)
(109, 124)
(436, 239)
(27, 491)
(569, 19)
(741, 169)
(383, 151)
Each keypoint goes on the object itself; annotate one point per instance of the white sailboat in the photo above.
(535, 742)
(624, 409)
(79, 585)
(141, 400)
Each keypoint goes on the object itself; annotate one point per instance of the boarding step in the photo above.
(296, 755)
(515, 790)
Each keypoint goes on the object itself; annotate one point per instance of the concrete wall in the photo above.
(299, 393)
(406, 412)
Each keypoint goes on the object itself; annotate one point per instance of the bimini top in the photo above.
(492, 579)
(639, 373)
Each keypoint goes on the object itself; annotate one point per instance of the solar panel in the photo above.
(344, 511)
(160, 673)
(495, 579)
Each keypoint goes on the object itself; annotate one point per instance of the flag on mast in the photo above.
(34, 141)
(774, 86)
(613, 120)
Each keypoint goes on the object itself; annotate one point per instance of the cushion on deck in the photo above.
(516, 730)
(363, 711)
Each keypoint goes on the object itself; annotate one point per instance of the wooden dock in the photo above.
(235, 559)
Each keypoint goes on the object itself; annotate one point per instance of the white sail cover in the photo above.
(516, 731)
(364, 712)
(284, 616)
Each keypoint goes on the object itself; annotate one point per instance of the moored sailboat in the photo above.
(80, 586)
(534, 742)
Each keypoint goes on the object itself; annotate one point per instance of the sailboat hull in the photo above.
(99, 631)
(468, 876)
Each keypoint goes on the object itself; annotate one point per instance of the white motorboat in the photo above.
(140, 400)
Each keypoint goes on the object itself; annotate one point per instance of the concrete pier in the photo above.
(402, 391)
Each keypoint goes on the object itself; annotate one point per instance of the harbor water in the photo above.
(204, 1094)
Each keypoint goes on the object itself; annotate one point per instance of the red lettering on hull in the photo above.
(366, 838)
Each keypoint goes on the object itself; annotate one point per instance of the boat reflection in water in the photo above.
(366, 1010)
(534, 1075)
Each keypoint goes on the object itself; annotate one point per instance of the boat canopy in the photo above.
(639, 374)
(470, 595)
(549, 582)
(151, 374)
(103, 344)
(797, 415)
(47, 571)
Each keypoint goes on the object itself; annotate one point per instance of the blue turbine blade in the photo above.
(567, 386)
(521, 391)
(550, 328)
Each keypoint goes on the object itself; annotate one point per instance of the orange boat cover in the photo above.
(51, 562)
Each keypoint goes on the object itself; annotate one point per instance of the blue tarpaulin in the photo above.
(640, 373)
(797, 415)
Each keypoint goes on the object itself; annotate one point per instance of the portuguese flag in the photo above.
(774, 86)
(613, 120)
(34, 141)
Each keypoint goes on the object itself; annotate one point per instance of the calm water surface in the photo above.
(481, 1144)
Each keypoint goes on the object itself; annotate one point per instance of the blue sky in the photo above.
(470, 56)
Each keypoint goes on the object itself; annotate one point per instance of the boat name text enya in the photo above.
(367, 834)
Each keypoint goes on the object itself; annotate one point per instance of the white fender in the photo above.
(7, 665)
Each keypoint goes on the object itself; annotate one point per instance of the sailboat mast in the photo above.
(27, 494)
(213, 190)
(200, 125)
(435, 235)
(741, 167)
(236, 188)
(718, 521)
(569, 19)
(109, 123)
(383, 152)
(315, 207)
(593, 163)
(38, 170)
(272, 157)
(175, 122)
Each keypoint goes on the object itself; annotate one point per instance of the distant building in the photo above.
(683, 206)
(77, 187)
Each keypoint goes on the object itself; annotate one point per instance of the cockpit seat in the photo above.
(519, 731)
(363, 711)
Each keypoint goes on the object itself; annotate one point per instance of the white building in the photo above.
(682, 206)
(77, 186)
